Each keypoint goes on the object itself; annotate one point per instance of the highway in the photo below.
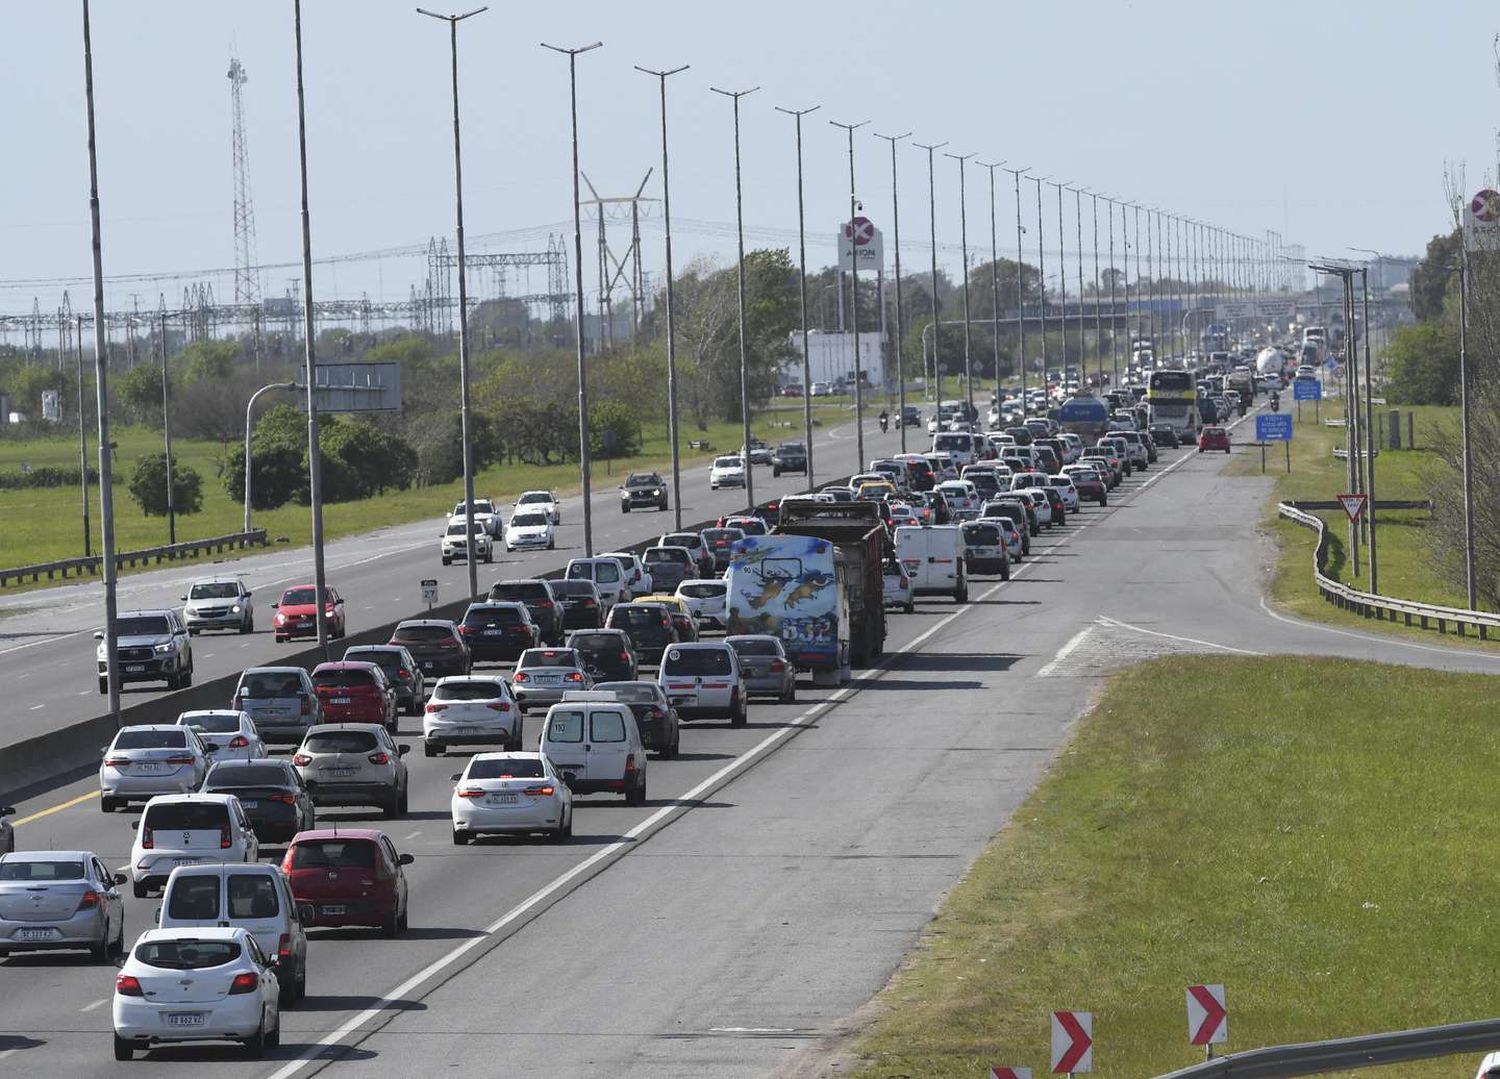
(777, 874)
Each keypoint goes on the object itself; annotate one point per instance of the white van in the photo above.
(608, 577)
(188, 829)
(253, 896)
(934, 559)
(593, 742)
(959, 445)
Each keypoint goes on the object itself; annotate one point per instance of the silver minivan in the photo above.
(254, 896)
(281, 700)
(593, 742)
(703, 680)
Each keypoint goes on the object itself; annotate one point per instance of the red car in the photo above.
(352, 691)
(349, 876)
(296, 615)
(1213, 438)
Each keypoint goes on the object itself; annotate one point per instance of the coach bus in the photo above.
(1173, 397)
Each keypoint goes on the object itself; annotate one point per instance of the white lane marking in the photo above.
(1454, 650)
(44, 640)
(1173, 637)
(414, 834)
(122, 869)
(1065, 651)
(96, 1004)
(34, 707)
(84, 692)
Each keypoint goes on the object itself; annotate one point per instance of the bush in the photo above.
(1422, 365)
(46, 476)
(148, 486)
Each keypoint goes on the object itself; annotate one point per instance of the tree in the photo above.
(614, 429)
(359, 460)
(206, 361)
(1429, 281)
(1422, 365)
(148, 486)
(139, 394)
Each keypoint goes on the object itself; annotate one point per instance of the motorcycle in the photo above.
(1275, 402)
(885, 423)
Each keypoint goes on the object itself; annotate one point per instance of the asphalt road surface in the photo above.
(777, 873)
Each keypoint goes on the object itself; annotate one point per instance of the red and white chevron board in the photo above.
(1072, 1042)
(1010, 1073)
(1208, 1021)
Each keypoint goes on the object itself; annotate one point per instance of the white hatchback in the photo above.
(227, 733)
(707, 600)
(470, 710)
(539, 501)
(188, 829)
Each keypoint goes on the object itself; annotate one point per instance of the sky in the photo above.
(1330, 122)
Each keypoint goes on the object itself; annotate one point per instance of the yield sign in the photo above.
(863, 231)
(1208, 1022)
(1010, 1073)
(1354, 505)
(1072, 1042)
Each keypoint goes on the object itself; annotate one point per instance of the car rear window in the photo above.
(521, 591)
(507, 768)
(704, 590)
(548, 657)
(340, 742)
(721, 537)
(981, 534)
(655, 555)
(422, 633)
(343, 679)
(388, 658)
(607, 727)
(755, 648)
(631, 692)
(149, 739)
(42, 870)
(634, 617)
(494, 616)
(681, 539)
(565, 725)
(488, 690)
(227, 776)
(186, 816)
(268, 684)
(221, 723)
(697, 661)
(574, 588)
(595, 642)
(333, 854)
(194, 898)
(252, 895)
(187, 954)
(534, 497)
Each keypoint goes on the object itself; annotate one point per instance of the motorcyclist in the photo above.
(885, 421)
(1275, 401)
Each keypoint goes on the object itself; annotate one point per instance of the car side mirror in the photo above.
(307, 913)
(134, 825)
(119, 878)
(275, 605)
(406, 859)
(456, 776)
(156, 916)
(402, 750)
(249, 594)
(98, 635)
(183, 598)
(7, 811)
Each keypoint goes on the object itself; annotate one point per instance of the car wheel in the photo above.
(103, 685)
(273, 1039)
(279, 639)
(123, 1049)
(558, 834)
(100, 953)
(106, 805)
(1005, 570)
(255, 1045)
(247, 627)
(910, 607)
(739, 712)
(391, 927)
(790, 696)
(461, 838)
(192, 631)
(139, 888)
(624, 508)
(1104, 501)
(403, 802)
(447, 561)
(186, 679)
(429, 750)
(117, 946)
(391, 807)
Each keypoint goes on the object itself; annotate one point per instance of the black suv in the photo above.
(1163, 434)
(580, 604)
(499, 631)
(789, 457)
(605, 653)
(434, 643)
(643, 490)
(540, 600)
(649, 627)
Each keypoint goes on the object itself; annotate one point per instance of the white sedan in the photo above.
(230, 732)
(192, 985)
(510, 793)
(540, 501)
(727, 471)
(530, 530)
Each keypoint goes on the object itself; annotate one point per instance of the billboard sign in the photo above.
(865, 242)
(356, 387)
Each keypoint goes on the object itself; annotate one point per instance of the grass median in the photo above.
(1311, 833)
(45, 524)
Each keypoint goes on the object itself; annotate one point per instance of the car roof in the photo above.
(701, 646)
(49, 855)
(143, 611)
(194, 796)
(424, 622)
(510, 754)
(203, 932)
(324, 728)
(377, 647)
(211, 712)
(345, 665)
(148, 727)
(497, 605)
(457, 679)
(338, 833)
(549, 494)
(218, 580)
(276, 670)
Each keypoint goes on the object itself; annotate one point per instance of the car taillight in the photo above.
(147, 842)
(629, 763)
(403, 673)
(466, 630)
(574, 676)
(243, 983)
(777, 666)
(546, 604)
(435, 706)
(301, 760)
(128, 985)
(625, 656)
(180, 758)
(666, 623)
(589, 603)
(116, 762)
(288, 799)
(306, 706)
(498, 706)
(239, 741)
(379, 757)
(540, 792)
(284, 947)
(224, 840)
(657, 713)
(520, 676)
(472, 792)
(88, 900)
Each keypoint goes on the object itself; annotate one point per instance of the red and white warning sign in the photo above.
(861, 246)
(1010, 1073)
(1354, 505)
(1208, 1022)
(1072, 1042)
(863, 231)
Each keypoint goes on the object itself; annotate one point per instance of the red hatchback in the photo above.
(1213, 438)
(351, 691)
(349, 876)
(297, 613)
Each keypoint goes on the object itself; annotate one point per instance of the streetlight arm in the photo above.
(249, 414)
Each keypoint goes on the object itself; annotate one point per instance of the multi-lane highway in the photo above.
(778, 873)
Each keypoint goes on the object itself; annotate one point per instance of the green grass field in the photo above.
(1305, 832)
(41, 525)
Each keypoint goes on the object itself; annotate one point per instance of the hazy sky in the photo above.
(1330, 122)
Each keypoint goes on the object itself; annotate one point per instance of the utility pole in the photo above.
(1020, 287)
(963, 233)
(1062, 280)
(166, 431)
(1470, 581)
(1083, 361)
(937, 328)
(859, 374)
(666, 197)
(1370, 447)
(83, 442)
(896, 221)
(1041, 259)
(739, 219)
(801, 287)
(1098, 295)
(583, 384)
(995, 281)
(1114, 317)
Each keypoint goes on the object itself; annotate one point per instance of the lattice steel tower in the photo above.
(246, 281)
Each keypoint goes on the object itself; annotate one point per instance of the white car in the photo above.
(707, 600)
(230, 732)
(154, 758)
(962, 498)
(728, 471)
(509, 793)
(530, 530)
(188, 829)
(1063, 485)
(454, 548)
(1010, 528)
(637, 576)
(897, 586)
(470, 710)
(218, 603)
(193, 985)
(540, 501)
(486, 516)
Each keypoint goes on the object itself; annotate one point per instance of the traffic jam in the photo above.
(259, 827)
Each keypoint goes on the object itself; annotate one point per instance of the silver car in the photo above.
(764, 665)
(543, 675)
(54, 899)
(218, 603)
(151, 759)
(353, 764)
(281, 701)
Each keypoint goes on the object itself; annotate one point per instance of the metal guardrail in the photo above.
(1341, 1054)
(1381, 608)
(167, 552)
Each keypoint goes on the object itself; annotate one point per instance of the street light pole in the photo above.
(1470, 582)
(739, 218)
(101, 373)
(807, 432)
(314, 449)
(1062, 281)
(166, 431)
(963, 234)
(937, 329)
(248, 421)
(995, 281)
(1083, 362)
(1114, 316)
(583, 383)
(1098, 295)
(1020, 288)
(859, 375)
(666, 198)
(1041, 259)
(83, 441)
(896, 222)
(1370, 447)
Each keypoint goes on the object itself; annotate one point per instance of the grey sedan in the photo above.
(767, 670)
(58, 899)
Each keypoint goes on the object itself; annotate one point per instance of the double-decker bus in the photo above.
(1173, 397)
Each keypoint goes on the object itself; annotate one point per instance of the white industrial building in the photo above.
(831, 357)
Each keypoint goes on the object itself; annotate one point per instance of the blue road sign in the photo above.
(1273, 427)
(1307, 389)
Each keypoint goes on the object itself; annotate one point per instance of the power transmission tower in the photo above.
(246, 279)
(625, 268)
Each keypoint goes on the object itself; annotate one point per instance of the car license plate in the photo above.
(187, 861)
(465, 730)
(252, 803)
(331, 908)
(502, 799)
(134, 668)
(684, 700)
(339, 700)
(427, 664)
(148, 768)
(340, 771)
(548, 679)
(493, 632)
(38, 934)
(185, 1019)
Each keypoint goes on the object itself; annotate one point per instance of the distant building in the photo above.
(831, 357)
